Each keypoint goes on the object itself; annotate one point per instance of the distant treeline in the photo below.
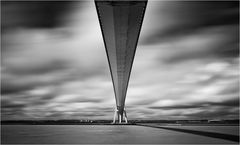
(107, 122)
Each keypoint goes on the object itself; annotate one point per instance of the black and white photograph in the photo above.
(119, 72)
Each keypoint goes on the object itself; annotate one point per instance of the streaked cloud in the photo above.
(186, 65)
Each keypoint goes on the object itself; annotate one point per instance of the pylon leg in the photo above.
(114, 117)
(125, 116)
(121, 117)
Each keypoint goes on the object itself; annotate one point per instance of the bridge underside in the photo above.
(120, 23)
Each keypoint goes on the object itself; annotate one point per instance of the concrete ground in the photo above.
(116, 134)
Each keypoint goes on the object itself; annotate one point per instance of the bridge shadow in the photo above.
(234, 138)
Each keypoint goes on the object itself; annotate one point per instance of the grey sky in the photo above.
(54, 64)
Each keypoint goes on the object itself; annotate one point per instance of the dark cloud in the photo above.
(33, 14)
(36, 69)
(8, 88)
(22, 78)
(92, 100)
(77, 99)
(39, 100)
(192, 17)
(9, 104)
(176, 107)
(14, 86)
(228, 49)
(10, 110)
(231, 89)
(219, 49)
(74, 115)
(213, 114)
(230, 103)
(194, 30)
(227, 103)
(219, 52)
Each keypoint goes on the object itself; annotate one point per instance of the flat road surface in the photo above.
(118, 134)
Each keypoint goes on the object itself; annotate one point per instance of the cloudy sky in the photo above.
(54, 65)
